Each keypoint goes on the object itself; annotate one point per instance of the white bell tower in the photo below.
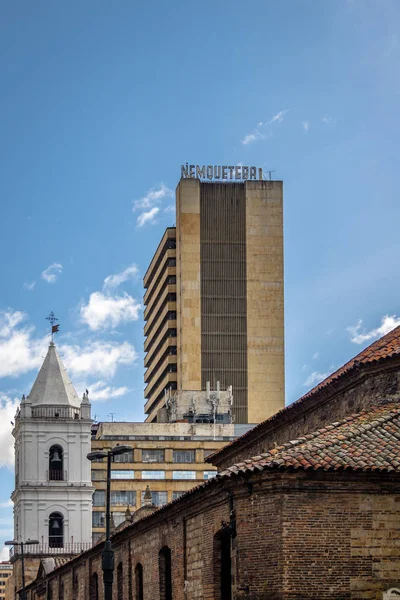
(53, 489)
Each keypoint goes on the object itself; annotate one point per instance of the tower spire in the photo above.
(54, 328)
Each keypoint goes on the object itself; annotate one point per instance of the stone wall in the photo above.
(292, 535)
(364, 388)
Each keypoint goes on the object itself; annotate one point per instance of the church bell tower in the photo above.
(53, 489)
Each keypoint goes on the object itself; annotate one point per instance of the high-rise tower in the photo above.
(226, 298)
(53, 490)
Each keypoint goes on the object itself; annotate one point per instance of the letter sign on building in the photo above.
(237, 172)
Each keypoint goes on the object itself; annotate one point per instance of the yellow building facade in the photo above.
(167, 457)
(6, 571)
(215, 298)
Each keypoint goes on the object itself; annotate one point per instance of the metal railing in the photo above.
(67, 548)
(55, 412)
(56, 475)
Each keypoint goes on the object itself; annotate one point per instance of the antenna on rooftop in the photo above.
(111, 414)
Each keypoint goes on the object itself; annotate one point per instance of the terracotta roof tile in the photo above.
(384, 348)
(345, 445)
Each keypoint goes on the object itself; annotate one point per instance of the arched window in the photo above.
(56, 468)
(94, 587)
(139, 582)
(120, 582)
(164, 566)
(222, 565)
(56, 530)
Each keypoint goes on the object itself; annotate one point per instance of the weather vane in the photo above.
(54, 328)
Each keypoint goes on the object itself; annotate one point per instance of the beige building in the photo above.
(214, 298)
(5, 572)
(167, 457)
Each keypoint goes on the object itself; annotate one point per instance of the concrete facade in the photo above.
(228, 298)
(167, 457)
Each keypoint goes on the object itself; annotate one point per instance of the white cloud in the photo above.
(9, 319)
(6, 504)
(169, 208)
(29, 285)
(326, 119)
(278, 117)
(52, 272)
(249, 138)
(8, 407)
(306, 126)
(147, 217)
(100, 391)
(19, 352)
(315, 355)
(359, 337)
(153, 196)
(113, 281)
(314, 378)
(107, 312)
(258, 133)
(97, 359)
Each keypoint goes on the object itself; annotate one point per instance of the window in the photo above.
(99, 498)
(176, 495)
(153, 474)
(98, 519)
(157, 498)
(56, 472)
(98, 475)
(124, 498)
(183, 474)
(56, 530)
(165, 575)
(126, 457)
(118, 517)
(149, 456)
(139, 582)
(120, 474)
(184, 456)
(209, 474)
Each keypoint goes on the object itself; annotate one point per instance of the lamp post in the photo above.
(22, 594)
(107, 556)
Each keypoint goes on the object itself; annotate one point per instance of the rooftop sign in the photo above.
(237, 173)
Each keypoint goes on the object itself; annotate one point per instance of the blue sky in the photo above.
(102, 102)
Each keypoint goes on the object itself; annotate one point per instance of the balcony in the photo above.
(67, 548)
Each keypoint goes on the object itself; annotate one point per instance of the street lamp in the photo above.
(22, 594)
(107, 556)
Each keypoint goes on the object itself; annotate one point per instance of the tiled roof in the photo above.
(367, 441)
(384, 348)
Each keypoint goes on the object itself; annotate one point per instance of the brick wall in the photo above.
(299, 535)
(362, 389)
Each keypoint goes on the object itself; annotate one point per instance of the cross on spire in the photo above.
(54, 328)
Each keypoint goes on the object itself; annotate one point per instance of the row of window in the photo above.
(158, 456)
(98, 518)
(98, 475)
